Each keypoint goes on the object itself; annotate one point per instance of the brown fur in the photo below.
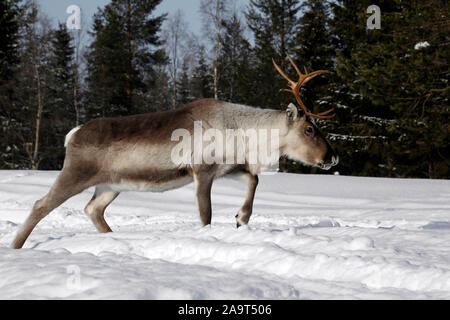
(133, 153)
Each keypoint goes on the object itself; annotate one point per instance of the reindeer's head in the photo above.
(304, 142)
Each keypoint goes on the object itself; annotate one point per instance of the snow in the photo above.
(311, 237)
(345, 137)
(421, 45)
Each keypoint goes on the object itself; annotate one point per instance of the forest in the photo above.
(388, 86)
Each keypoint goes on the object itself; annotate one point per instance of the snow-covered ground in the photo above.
(311, 237)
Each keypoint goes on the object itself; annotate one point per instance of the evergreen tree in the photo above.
(59, 117)
(9, 41)
(159, 94)
(202, 78)
(401, 105)
(273, 23)
(233, 61)
(184, 85)
(359, 130)
(122, 57)
(9, 38)
(315, 50)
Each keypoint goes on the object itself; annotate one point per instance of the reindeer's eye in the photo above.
(309, 131)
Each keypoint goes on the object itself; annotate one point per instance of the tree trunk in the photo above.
(430, 170)
(216, 59)
(128, 75)
(75, 85)
(389, 167)
(35, 162)
(175, 71)
(75, 99)
(283, 44)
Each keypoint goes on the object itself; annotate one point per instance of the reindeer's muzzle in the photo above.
(331, 160)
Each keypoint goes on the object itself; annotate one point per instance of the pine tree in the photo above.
(9, 38)
(9, 41)
(359, 130)
(159, 91)
(202, 78)
(413, 84)
(59, 117)
(273, 23)
(233, 60)
(400, 113)
(315, 50)
(184, 85)
(122, 57)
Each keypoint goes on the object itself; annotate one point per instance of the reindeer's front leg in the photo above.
(244, 214)
(203, 183)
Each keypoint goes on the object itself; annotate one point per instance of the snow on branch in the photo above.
(344, 137)
(421, 45)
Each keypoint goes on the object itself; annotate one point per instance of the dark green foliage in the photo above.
(389, 93)
(185, 91)
(202, 78)
(9, 38)
(9, 41)
(28, 98)
(402, 92)
(59, 113)
(313, 50)
(274, 24)
(122, 58)
(234, 63)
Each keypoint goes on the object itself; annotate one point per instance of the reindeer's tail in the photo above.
(70, 135)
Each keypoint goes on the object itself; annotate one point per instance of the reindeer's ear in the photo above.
(292, 112)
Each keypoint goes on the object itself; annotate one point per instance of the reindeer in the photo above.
(134, 154)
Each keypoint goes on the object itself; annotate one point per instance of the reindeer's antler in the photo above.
(295, 87)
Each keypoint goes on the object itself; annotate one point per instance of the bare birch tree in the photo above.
(175, 34)
(213, 12)
(36, 44)
(78, 38)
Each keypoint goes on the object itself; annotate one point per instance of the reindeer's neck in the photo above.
(256, 118)
(271, 142)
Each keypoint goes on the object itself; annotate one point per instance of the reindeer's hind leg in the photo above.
(203, 184)
(96, 207)
(244, 214)
(66, 186)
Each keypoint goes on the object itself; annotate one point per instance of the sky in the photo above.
(56, 10)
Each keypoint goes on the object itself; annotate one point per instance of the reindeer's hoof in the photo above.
(238, 224)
